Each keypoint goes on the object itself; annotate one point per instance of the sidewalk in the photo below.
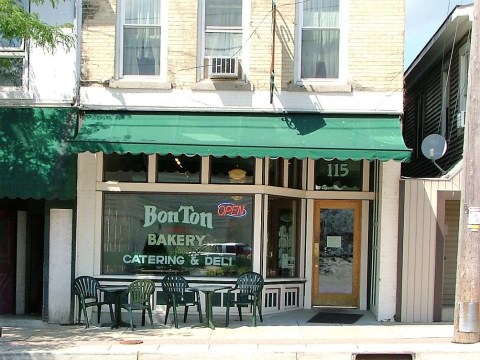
(280, 336)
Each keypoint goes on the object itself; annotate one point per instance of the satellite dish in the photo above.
(434, 147)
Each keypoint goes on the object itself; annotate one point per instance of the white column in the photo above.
(86, 214)
(60, 266)
(388, 241)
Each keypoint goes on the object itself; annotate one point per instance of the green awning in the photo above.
(222, 134)
(34, 162)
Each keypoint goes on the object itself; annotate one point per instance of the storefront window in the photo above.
(338, 175)
(125, 167)
(283, 237)
(225, 170)
(178, 169)
(275, 172)
(295, 174)
(192, 235)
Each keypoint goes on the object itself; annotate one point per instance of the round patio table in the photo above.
(208, 290)
(115, 294)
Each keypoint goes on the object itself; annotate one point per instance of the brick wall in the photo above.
(376, 40)
(98, 40)
(375, 43)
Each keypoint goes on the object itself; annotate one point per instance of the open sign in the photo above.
(233, 210)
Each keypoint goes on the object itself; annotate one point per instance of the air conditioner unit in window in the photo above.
(223, 67)
(461, 119)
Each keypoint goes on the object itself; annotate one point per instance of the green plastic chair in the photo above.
(139, 295)
(180, 294)
(86, 288)
(248, 291)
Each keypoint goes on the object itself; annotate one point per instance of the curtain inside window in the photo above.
(223, 28)
(320, 39)
(141, 37)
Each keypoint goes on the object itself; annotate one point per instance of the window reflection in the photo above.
(194, 234)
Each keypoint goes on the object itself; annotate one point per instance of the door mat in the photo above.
(335, 318)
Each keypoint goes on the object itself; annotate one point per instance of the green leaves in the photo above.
(16, 23)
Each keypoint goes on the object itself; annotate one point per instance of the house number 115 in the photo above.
(338, 170)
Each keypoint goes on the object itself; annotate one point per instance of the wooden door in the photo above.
(336, 253)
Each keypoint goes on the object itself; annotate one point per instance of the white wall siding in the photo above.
(420, 223)
(187, 100)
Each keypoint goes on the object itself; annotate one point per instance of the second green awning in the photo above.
(298, 136)
(34, 161)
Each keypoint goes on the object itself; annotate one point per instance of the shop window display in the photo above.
(283, 237)
(225, 170)
(192, 235)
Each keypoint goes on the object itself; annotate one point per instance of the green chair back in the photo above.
(180, 294)
(86, 288)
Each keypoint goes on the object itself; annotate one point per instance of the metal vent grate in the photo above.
(223, 67)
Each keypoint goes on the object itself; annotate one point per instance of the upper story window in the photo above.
(319, 46)
(12, 61)
(222, 41)
(141, 36)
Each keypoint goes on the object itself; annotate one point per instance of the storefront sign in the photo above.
(184, 214)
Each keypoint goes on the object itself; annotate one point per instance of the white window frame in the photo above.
(163, 45)
(19, 52)
(342, 66)
(244, 58)
(464, 60)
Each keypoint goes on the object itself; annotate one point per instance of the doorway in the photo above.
(450, 249)
(7, 262)
(336, 253)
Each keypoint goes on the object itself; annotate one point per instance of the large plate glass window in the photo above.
(141, 32)
(338, 175)
(320, 43)
(222, 38)
(194, 234)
